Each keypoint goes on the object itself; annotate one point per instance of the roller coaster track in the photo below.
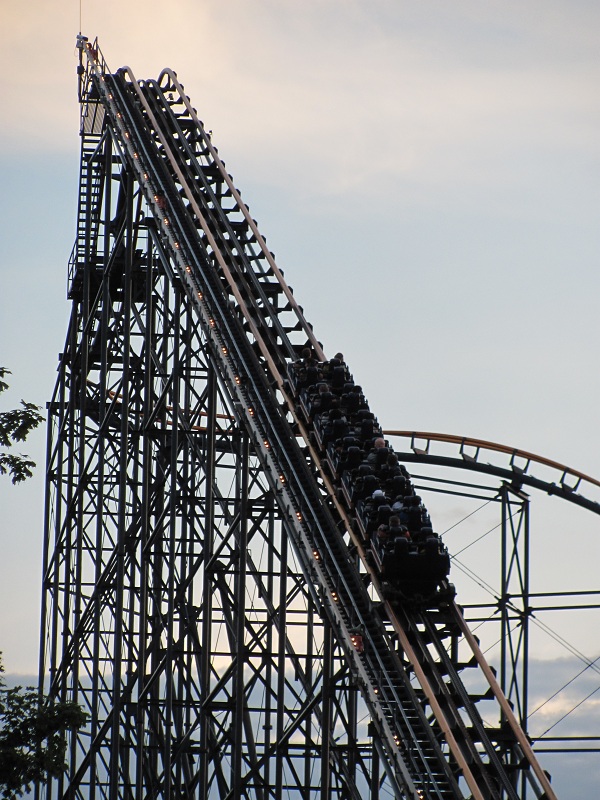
(517, 466)
(429, 733)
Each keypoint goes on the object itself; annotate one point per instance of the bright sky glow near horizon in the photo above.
(428, 177)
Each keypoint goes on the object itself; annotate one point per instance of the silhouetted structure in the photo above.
(206, 597)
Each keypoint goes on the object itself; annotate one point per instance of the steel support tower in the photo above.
(202, 582)
(514, 603)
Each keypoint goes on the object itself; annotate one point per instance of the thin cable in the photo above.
(484, 622)
(475, 578)
(560, 640)
(467, 517)
(562, 688)
(483, 535)
(542, 625)
(557, 637)
(564, 716)
(589, 664)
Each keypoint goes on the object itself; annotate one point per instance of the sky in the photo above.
(427, 175)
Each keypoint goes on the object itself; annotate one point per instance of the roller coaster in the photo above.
(208, 596)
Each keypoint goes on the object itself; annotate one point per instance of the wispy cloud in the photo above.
(331, 93)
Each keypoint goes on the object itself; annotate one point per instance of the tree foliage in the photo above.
(32, 728)
(32, 737)
(15, 426)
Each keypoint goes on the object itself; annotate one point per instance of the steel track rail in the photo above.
(341, 587)
(263, 593)
(317, 539)
(138, 155)
(492, 753)
(450, 690)
(252, 272)
(168, 80)
(264, 410)
(472, 711)
(567, 484)
(453, 687)
(519, 735)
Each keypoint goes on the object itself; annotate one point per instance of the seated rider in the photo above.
(378, 454)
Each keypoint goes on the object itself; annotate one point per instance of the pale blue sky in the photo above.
(427, 175)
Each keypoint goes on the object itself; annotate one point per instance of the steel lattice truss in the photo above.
(183, 612)
(201, 580)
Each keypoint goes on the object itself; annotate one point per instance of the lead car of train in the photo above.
(410, 558)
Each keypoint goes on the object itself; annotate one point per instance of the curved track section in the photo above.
(430, 738)
(519, 467)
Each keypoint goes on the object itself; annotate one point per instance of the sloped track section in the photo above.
(178, 210)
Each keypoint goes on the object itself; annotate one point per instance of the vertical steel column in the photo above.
(120, 588)
(241, 522)
(514, 604)
(374, 787)
(145, 509)
(327, 689)
(281, 683)
(205, 645)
